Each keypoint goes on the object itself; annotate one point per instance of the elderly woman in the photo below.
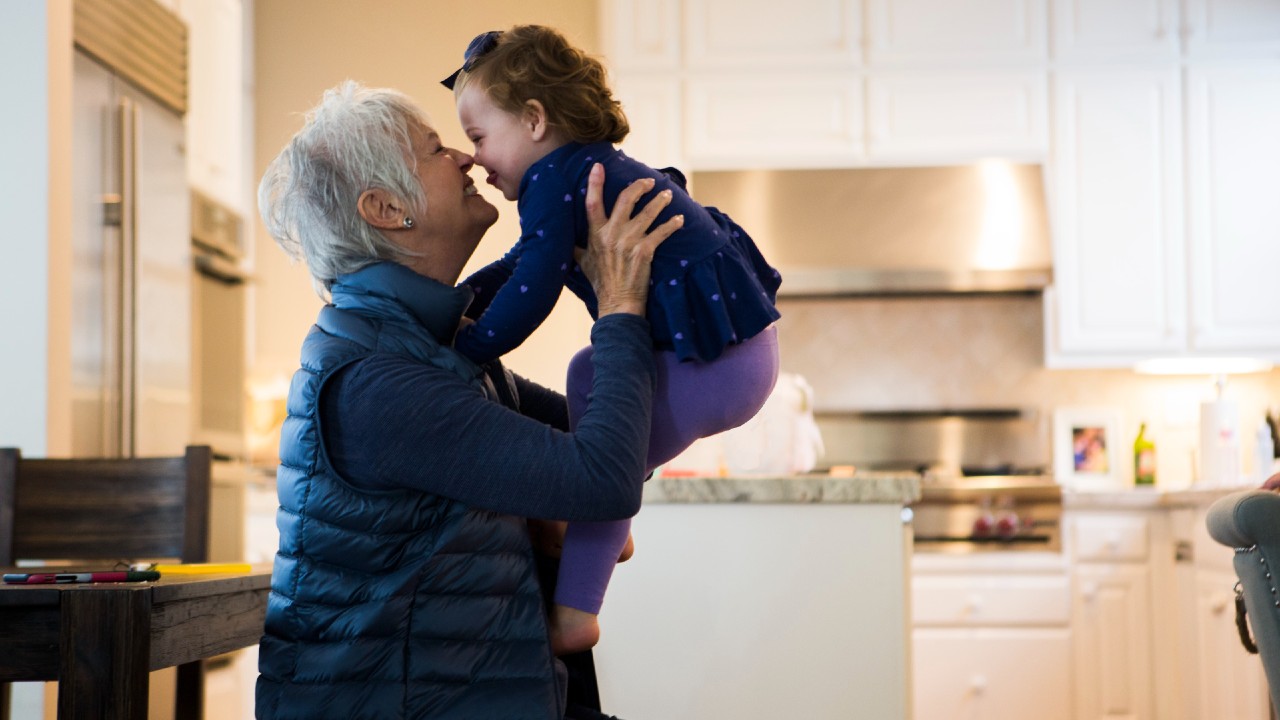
(405, 584)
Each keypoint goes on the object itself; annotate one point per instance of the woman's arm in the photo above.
(389, 421)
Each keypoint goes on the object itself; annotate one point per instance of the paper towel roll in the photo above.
(1219, 442)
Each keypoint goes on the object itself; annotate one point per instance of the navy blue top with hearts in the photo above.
(711, 287)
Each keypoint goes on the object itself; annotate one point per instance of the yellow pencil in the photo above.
(203, 568)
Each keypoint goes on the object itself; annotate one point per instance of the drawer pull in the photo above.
(978, 684)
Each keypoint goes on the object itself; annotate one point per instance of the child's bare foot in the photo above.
(573, 630)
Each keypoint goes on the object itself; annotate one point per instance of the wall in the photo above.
(303, 47)
(985, 352)
(35, 70)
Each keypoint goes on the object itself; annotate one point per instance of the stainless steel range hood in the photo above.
(980, 228)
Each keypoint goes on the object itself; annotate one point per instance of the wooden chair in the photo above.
(108, 510)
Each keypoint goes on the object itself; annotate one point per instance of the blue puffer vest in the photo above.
(394, 604)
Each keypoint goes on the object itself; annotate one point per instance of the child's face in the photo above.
(506, 144)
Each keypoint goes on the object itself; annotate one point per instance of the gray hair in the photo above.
(356, 139)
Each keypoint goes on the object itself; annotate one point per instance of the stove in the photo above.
(984, 487)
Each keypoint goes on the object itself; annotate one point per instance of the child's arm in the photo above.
(525, 300)
(486, 282)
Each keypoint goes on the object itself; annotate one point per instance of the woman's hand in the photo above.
(616, 261)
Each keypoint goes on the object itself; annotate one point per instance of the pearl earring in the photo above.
(408, 223)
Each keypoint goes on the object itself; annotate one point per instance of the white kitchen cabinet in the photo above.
(988, 113)
(938, 33)
(790, 85)
(1233, 157)
(652, 104)
(753, 610)
(991, 637)
(992, 673)
(1231, 683)
(1108, 31)
(215, 130)
(1231, 29)
(1111, 616)
(809, 120)
(1222, 679)
(799, 34)
(642, 36)
(1116, 193)
(1154, 256)
(1111, 625)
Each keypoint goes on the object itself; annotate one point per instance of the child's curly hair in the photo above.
(535, 62)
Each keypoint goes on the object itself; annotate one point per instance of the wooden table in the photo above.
(100, 640)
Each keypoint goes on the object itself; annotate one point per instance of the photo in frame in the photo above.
(1088, 450)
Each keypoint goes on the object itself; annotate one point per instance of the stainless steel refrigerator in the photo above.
(131, 284)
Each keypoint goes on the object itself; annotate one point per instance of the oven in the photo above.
(984, 484)
(989, 514)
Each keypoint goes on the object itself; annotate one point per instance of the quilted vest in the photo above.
(394, 604)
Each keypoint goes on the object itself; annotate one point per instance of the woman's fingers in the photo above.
(621, 246)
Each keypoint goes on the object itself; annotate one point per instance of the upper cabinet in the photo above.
(1094, 30)
(1154, 30)
(800, 35)
(1154, 120)
(1162, 202)
(937, 33)
(831, 83)
(215, 119)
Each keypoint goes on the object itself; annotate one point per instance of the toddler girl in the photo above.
(541, 115)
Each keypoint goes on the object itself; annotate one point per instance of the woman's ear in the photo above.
(380, 209)
(535, 119)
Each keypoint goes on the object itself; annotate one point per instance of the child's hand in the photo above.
(619, 251)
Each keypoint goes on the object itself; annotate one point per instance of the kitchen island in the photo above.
(763, 597)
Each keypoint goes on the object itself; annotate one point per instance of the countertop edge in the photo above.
(860, 488)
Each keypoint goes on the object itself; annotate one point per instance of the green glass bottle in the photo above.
(1144, 458)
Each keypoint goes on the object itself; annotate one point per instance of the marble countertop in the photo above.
(892, 488)
(860, 488)
(1137, 498)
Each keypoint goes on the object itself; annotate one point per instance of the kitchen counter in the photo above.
(795, 587)
(860, 488)
(1139, 498)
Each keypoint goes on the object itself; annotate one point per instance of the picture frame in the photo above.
(1088, 449)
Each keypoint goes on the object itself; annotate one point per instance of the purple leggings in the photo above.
(692, 400)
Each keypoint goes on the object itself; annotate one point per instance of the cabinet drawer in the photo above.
(992, 673)
(989, 600)
(1110, 538)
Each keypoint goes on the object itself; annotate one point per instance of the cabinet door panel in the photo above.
(1118, 251)
(1231, 680)
(1112, 642)
(990, 600)
(797, 33)
(642, 35)
(1232, 28)
(915, 31)
(957, 115)
(1235, 226)
(214, 124)
(993, 674)
(1108, 30)
(653, 111)
(774, 121)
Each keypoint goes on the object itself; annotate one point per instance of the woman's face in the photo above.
(457, 216)
(506, 144)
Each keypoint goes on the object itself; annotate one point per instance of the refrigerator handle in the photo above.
(127, 144)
